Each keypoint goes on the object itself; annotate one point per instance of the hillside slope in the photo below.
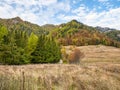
(112, 33)
(18, 24)
(70, 33)
(77, 33)
(98, 53)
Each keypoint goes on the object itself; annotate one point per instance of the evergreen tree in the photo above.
(47, 51)
(10, 53)
(31, 44)
(3, 32)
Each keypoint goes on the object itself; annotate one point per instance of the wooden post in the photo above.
(23, 74)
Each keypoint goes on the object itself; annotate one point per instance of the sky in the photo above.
(105, 13)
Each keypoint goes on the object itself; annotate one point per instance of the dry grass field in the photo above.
(60, 77)
(98, 53)
(101, 54)
(98, 70)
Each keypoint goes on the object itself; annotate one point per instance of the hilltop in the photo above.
(18, 24)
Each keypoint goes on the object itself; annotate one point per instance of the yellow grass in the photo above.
(60, 77)
(98, 53)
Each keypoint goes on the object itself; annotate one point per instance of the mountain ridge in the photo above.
(72, 27)
(73, 20)
(17, 23)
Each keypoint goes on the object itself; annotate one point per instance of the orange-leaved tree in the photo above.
(75, 56)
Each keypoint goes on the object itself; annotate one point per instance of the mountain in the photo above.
(48, 27)
(70, 33)
(110, 32)
(115, 35)
(18, 24)
(104, 29)
(77, 33)
(71, 28)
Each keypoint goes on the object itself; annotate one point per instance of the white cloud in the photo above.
(103, 0)
(52, 11)
(35, 11)
(30, 2)
(109, 18)
(74, 1)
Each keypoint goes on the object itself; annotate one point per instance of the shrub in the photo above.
(64, 55)
(75, 56)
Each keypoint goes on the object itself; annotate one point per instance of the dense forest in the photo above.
(22, 42)
(18, 47)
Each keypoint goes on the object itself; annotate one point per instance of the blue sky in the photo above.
(105, 13)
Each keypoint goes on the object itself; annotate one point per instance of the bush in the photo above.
(75, 56)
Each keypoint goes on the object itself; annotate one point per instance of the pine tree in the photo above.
(38, 54)
(3, 32)
(47, 51)
(31, 44)
(10, 53)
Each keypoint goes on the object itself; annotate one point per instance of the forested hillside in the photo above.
(111, 33)
(18, 24)
(114, 34)
(76, 33)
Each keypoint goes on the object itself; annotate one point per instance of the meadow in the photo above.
(98, 70)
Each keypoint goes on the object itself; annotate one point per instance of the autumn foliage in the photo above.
(75, 56)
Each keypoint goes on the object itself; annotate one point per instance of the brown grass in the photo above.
(98, 53)
(101, 53)
(59, 77)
